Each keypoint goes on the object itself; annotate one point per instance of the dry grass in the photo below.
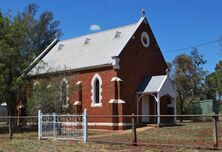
(25, 145)
(190, 134)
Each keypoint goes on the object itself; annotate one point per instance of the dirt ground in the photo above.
(184, 137)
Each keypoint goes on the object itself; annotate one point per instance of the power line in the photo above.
(190, 47)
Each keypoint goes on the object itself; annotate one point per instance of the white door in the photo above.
(145, 108)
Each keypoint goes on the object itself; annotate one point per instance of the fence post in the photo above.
(39, 124)
(85, 126)
(54, 124)
(215, 135)
(134, 131)
(10, 127)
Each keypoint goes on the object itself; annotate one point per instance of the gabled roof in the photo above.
(157, 84)
(152, 83)
(88, 51)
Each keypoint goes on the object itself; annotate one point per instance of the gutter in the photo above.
(33, 64)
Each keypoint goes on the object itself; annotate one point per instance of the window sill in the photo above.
(96, 104)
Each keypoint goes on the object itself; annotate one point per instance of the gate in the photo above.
(68, 127)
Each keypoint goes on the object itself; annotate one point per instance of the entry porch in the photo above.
(156, 96)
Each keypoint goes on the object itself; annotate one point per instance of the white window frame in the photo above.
(67, 90)
(94, 104)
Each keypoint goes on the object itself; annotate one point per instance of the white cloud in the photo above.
(95, 27)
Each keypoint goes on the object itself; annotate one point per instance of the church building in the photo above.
(118, 72)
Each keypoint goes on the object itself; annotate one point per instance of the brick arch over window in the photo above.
(64, 92)
(96, 91)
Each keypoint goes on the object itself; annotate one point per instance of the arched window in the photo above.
(64, 99)
(96, 91)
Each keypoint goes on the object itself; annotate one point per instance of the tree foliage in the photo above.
(22, 38)
(214, 82)
(46, 94)
(44, 98)
(188, 79)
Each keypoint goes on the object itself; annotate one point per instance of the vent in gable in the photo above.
(117, 35)
(87, 40)
(60, 46)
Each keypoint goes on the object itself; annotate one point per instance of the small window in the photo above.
(64, 93)
(117, 35)
(87, 41)
(96, 91)
(60, 46)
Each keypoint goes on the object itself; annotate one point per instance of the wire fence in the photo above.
(194, 131)
(19, 127)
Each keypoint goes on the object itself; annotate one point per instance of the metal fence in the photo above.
(69, 127)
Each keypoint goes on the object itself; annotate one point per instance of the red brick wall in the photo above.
(108, 91)
(135, 63)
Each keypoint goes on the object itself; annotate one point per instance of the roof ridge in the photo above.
(124, 26)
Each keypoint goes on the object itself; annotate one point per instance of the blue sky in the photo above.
(176, 24)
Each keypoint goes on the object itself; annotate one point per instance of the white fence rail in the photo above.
(68, 127)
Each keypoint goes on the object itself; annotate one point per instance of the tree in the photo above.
(46, 93)
(22, 38)
(188, 79)
(214, 82)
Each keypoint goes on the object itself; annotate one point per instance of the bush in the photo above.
(44, 98)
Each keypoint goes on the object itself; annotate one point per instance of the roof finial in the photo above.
(143, 13)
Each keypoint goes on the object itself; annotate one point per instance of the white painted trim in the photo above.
(77, 103)
(78, 83)
(85, 125)
(108, 124)
(116, 101)
(96, 104)
(93, 104)
(158, 108)
(115, 62)
(146, 36)
(116, 79)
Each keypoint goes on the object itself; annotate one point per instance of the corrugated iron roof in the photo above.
(76, 53)
(158, 84)
(152, 83)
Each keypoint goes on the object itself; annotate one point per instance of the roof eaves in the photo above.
(75, 70)
(164, 80)
(41, 55)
